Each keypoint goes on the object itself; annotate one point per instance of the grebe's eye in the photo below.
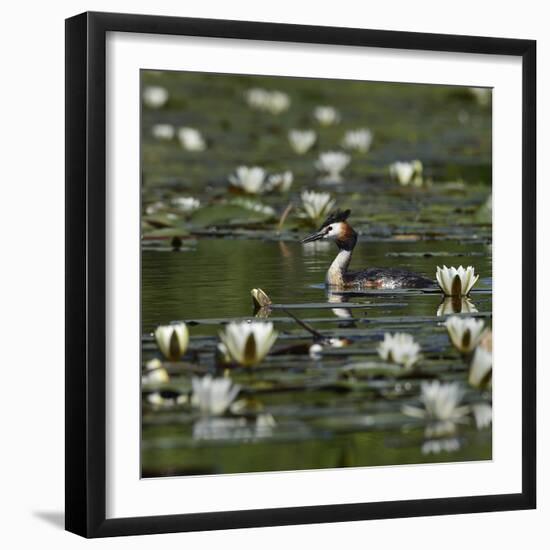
(329, 229)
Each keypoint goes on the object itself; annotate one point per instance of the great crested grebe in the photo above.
(337, 229)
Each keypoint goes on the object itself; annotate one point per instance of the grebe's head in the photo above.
(335, 228)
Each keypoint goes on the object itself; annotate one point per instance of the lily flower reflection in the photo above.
(436, 446)
(191, 139)
(455, 304)
(316, 205)
(172, 340)
(155, 97)
(250, 179)
(358, 140)
(481, 367)
(332, 163)
(465, 333)
(326, 115)
(234, 429)
(441, 408)
(212, 396)
(456, 282)
(248, 343)
(399, 348)
(301, 141)
(407, 172)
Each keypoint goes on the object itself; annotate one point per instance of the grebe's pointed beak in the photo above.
(314, 237)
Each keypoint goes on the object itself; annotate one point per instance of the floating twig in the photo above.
(284, 216)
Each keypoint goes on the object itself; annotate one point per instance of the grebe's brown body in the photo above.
(336, 228)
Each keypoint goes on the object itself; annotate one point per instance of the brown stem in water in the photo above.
(284, 216)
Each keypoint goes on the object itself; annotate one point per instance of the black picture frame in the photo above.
(86, 274)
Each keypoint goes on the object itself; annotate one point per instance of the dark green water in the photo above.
(213, 279)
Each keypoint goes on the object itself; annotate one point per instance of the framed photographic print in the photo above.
(294, 254)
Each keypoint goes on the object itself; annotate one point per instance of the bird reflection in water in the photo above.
(343, 313)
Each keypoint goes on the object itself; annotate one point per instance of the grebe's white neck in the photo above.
(336, 271)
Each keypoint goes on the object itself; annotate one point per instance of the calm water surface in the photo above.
(213, 279)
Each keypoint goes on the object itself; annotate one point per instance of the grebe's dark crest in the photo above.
(337, 229)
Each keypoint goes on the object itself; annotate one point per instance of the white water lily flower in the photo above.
(212, 396)
(250, 179)
(441, 403)
(155, 207)
(272, 101)
(465, 333)
(456, 282)
(155, 97)
(281, 182)
(156, 376)
(483, 415)
(326, 115)
(481, 368)
(301, 141)
(187, 204)
(399, 348)
(332, 163)
(277, 102)
(191, 139)
(163, 131)
(358, 140)
(316, 205)
(166, 400)
(254, 206)
(248, 343)
(153, 364)
(172, 340)
(407, 172)
(456, 304)
(257, 98)
(222, 355)
(155, 373)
